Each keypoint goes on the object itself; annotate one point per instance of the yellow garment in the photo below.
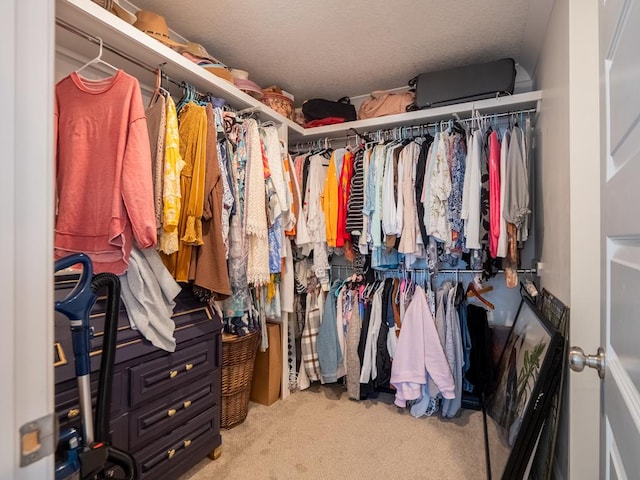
(173, 165)
(193, 136)
(330, 202)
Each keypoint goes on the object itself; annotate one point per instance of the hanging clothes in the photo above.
(329, 198)
(105, 200)
(156, 114)
(192, 129)
(256, 227)
(453, 351)
(472, 192)
(239, 301)
(171, 194)
(407, 201)
(439, 191)
(494, 193)
(353, 311)
(316, 222)
(313, 316)
(502, 238)
(355, 201)
(458, 152)
(328, 345)
(516, 202)
(419, 355)
(344, 191)
(228, 190)
(421, 165)
(211, 265)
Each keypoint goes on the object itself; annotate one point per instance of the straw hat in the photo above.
(114, 7)
(218, 70)
(196, 50)
(155, 26)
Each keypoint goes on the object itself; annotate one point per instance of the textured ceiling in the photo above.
(332, 48)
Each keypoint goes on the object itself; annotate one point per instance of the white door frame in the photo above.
(585, 267)
(26, 196)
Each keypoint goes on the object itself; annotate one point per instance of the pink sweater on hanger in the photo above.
(103, 171)
(419, 353)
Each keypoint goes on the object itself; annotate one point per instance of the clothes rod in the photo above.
(444, 123)
(120, 53)
(375, 135)
(437, 272)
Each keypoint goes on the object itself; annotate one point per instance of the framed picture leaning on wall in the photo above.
(527, 376)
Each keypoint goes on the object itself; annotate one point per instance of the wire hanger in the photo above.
(97, 60)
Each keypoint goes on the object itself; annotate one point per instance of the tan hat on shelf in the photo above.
(155, 26)
(196, 50)
(114, 7)
(218, 71)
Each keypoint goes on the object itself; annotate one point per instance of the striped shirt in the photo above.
(356, 196)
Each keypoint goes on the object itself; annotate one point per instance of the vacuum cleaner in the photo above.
(87, 454)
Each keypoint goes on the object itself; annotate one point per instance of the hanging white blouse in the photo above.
(303, 239)
(377, 161)
(315, 218)
(399, 192)
(390, 224)
(471, 193)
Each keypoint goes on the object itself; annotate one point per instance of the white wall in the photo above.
(553, 179)
(568, 178)
(552, 77)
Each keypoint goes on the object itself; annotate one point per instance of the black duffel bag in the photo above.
(319, 108)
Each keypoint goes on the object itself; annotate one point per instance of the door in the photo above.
(26, 196)
(620, 144)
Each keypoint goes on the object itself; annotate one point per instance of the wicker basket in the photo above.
(274, 98)
(238, 357)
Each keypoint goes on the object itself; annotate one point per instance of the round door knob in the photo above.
(578, 360)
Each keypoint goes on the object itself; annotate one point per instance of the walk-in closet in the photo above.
(328, 263)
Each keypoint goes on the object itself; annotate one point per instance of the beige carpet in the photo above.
(321, 434)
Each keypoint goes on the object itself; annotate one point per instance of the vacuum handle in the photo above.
(77, 308)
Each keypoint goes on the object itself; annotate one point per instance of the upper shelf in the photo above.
(520, 101)
(94, 20)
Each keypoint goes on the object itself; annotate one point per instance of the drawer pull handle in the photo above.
(187, 404)
(171, 412)
(171, 453)
(173, 374)
(188, 366)
(73, 413)
(187, 443)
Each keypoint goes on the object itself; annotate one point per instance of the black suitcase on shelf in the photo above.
(464, 84)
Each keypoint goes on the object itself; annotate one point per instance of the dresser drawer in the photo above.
(149, 422)
(192, 319)
(160, 459)
(162, 375)
(68, 403)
